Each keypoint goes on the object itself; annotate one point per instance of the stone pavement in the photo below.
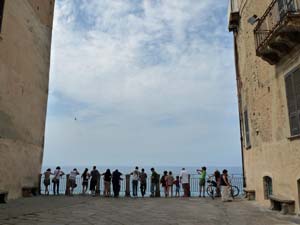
(81, 210)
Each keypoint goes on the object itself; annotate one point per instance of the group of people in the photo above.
(167, 181)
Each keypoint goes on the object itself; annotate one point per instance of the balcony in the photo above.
(278, 30)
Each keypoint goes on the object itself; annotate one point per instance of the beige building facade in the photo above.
(267, 51)
(25, 43)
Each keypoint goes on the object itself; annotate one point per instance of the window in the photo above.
(1, 12)
(247, 130)
(268, 187)
(292, 84)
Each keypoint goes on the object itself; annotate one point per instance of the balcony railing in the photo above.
(275, 21)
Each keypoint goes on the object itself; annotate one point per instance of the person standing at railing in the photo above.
(225, 187)
(116, 179)
(85, 180)
(135, 181)
(169, 184)
(57, 174)
(202, 181)
(95, 178)
(72, 180)
(107, 183)
(143, 182)
(177, 186)
(47, 175)
(163, 182)
(154, 182)
(184, 180)
(217, 175)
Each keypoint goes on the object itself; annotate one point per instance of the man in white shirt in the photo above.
(184, 180)
(72, 180)
(135, 179)
(57, 174)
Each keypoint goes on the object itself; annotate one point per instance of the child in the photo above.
(47, 175)
(177, 185)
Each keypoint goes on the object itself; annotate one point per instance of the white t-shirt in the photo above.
(184, 177)
(57, 174)
(73, 175)
(135, 175)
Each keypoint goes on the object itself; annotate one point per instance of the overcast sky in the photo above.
(150, 82)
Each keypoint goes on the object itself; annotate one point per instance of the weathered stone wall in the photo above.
(25, 43)
(263, 93)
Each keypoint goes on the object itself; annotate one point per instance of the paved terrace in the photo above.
(83, 210)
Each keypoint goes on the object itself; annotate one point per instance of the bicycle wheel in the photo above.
(235, 191)
(211, 190)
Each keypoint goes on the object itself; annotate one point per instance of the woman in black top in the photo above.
(225, 186)
(107, 181)
(85, 180)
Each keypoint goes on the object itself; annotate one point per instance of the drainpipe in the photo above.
(240, 109)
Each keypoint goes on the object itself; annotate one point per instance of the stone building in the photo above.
(25, 43)
(267, 52)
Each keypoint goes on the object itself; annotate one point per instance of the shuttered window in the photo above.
(1, 12)
(292, 83)
(247, 130)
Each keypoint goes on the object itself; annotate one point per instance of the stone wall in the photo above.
(25, 43)
(263, 94)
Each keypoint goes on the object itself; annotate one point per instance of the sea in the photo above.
(160, 169)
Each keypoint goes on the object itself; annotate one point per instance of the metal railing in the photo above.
(236, 180)
(276, 13)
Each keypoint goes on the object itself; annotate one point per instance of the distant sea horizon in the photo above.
(232, 170)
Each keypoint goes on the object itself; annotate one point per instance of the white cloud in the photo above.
(134, 63)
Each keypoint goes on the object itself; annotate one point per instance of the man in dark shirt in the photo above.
(116, 178)
(143, 182)
(154, 182)
(94, 183)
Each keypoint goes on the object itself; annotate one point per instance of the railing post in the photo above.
(98, 186)
(67, 192)
(189, 186)
(39, 185)
(157, 194)
(127, 188)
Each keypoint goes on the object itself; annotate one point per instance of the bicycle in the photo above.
(212, 187)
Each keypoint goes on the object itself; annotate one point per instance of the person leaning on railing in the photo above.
(95, 178)
(55, 180)
(72, 180)
(154, 182)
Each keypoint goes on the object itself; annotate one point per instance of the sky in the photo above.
(142, 82)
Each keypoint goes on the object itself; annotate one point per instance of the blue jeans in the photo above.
(134, 187)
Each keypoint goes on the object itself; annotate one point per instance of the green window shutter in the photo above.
(292, 83)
